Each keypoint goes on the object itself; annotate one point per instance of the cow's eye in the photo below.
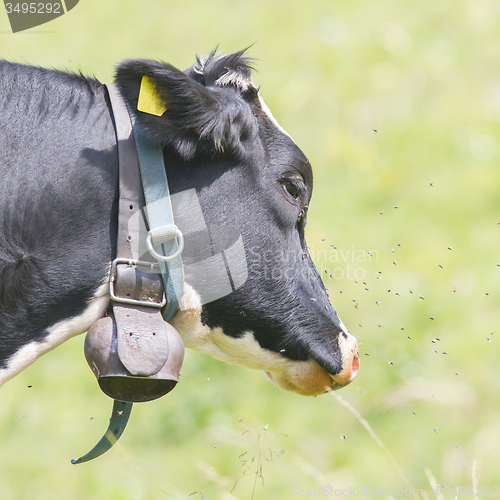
(294, 187)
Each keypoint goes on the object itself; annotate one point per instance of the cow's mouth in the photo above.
(310, 379)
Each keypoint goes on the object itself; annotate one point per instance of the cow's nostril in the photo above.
(351, 369)
(355, 366)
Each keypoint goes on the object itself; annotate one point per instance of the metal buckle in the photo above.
(123, 300)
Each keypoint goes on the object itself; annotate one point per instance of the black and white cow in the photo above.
(58, 217)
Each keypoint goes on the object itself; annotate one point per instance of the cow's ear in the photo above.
(176, 110)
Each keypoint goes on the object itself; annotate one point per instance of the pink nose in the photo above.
(350, 370)
(355, 366)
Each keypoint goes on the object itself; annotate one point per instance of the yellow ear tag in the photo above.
(149, 100)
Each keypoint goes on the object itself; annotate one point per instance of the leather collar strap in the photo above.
(164, 240)
(131, 196)
(141, 335)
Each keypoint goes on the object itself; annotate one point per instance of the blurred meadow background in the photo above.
(397, 106)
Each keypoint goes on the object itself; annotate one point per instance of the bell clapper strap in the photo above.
(117, 424)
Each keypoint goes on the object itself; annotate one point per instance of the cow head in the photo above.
(221, 142)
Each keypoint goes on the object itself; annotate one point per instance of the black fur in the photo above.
(58, 194)
(59, 197)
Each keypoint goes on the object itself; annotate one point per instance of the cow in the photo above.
(58, 216)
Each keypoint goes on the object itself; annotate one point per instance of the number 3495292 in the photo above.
(34, 8)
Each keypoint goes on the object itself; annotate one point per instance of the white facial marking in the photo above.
(244, 350)
(346, 345)
(267, 111)
(57, 334)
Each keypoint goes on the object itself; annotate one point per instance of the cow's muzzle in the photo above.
(309, 378)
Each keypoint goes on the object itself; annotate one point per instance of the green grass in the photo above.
(425, 75)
